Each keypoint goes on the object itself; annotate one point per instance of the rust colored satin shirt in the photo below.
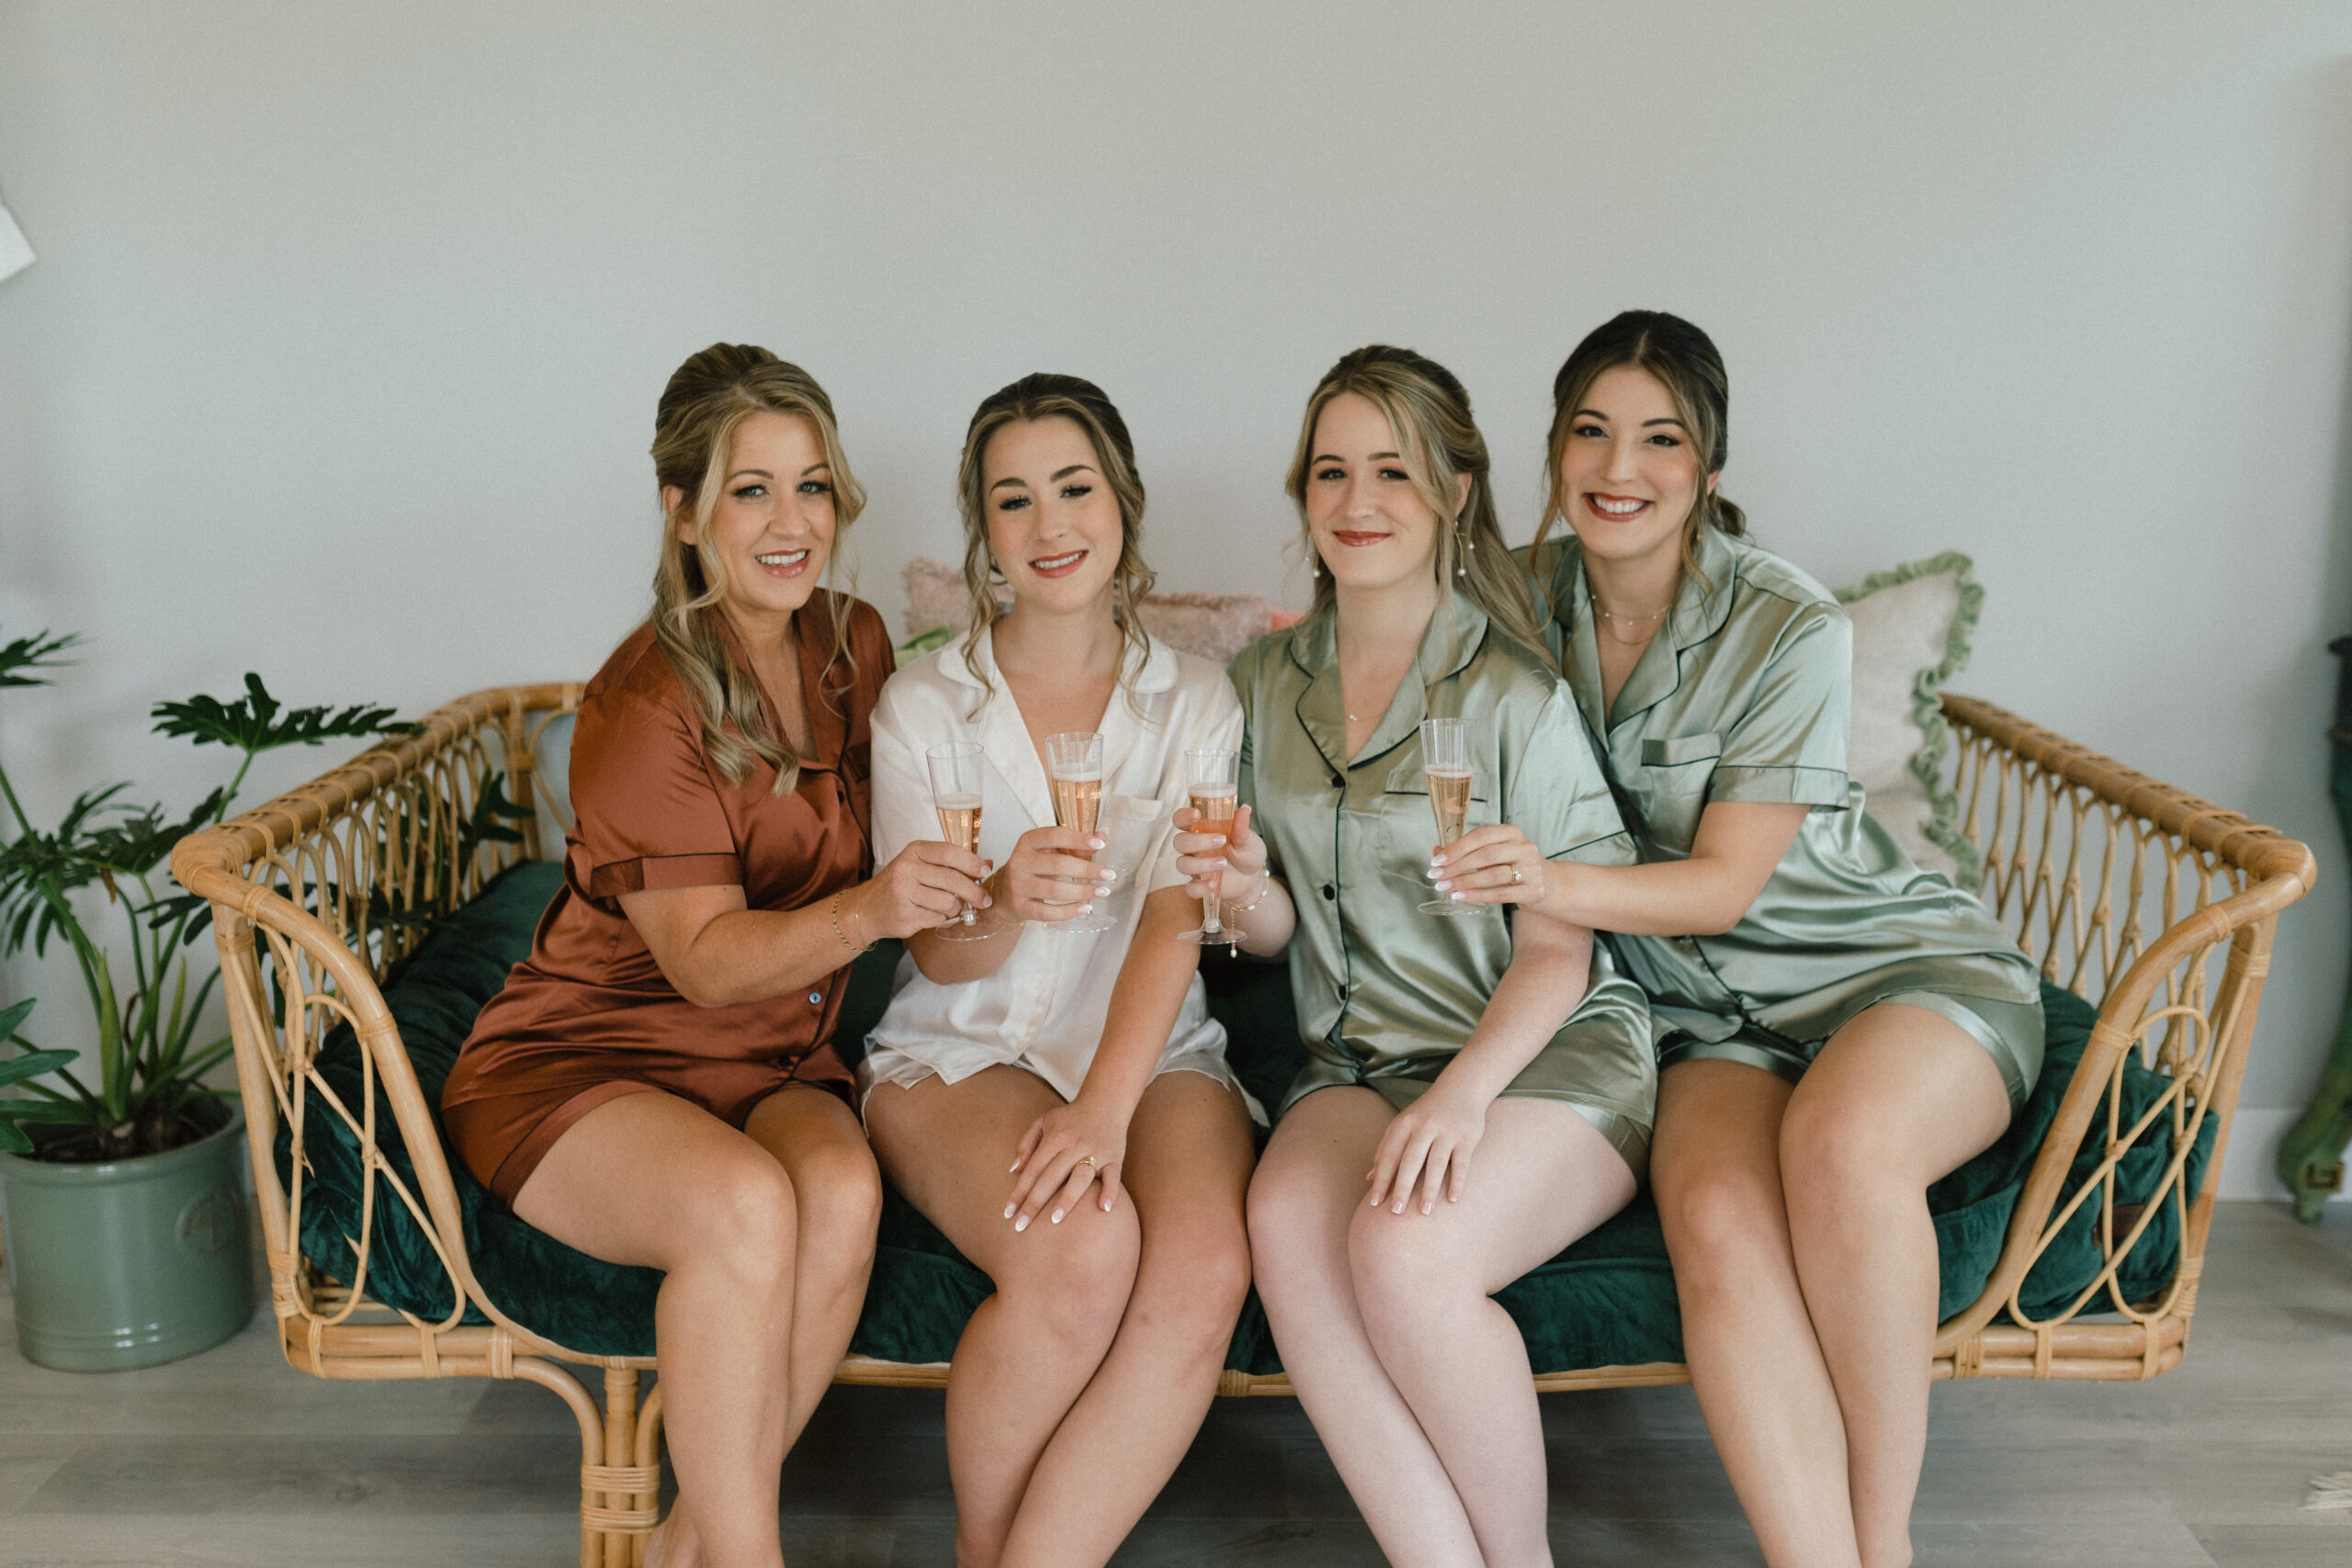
(589, 1016)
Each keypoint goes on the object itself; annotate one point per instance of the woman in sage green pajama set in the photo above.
(1492, 1073)
(1837, 1029)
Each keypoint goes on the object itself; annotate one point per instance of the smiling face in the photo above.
(773, 526)
(1053, 519)
(1629, 470)
(1371, 524)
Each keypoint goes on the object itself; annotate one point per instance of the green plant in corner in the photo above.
(147, 1094)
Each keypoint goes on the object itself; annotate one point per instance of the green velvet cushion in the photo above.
(1608, 1301)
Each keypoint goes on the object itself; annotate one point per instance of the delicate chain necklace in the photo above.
(1629, 628)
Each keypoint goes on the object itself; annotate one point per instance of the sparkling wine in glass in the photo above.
(956, 790)
(1211, 777)
(1445, 756)
(1074, 769)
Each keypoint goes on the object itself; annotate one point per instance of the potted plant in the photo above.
(122, 1191)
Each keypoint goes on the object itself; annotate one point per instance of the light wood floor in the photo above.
(233, 1458)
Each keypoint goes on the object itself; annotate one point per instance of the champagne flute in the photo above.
(1074, 768)
(1446, 757)
(956, 790)
(1211, 777)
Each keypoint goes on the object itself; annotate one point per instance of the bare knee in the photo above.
(1832, 1159)
(1197, 1281)
(1072, 1281)
(1285, 1224)
(1718, 1214)
(1406, 1268)
(839, 1189)
(744, 1221)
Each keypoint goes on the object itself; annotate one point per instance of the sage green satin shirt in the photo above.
(1385, 994)
(1745, 695)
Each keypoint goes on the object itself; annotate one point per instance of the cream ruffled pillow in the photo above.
(1912, 628)
(1214, 626)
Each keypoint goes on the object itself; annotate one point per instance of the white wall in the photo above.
(340, 358)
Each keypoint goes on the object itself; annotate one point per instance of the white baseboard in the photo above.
(2250, 1170)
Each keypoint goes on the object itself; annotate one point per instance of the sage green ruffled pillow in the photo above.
(1913, 626)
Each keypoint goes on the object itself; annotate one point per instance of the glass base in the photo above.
(961, 930)
(1081, 925)
(1448, 907)
(1204, 937)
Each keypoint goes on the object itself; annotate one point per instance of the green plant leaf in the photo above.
(254, 722)
(32, 1065)
(140, 840)
(13, 1142)
(13, 1018)
(38, 651)
(48, 1112)
(491, 805)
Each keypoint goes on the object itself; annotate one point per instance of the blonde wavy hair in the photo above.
(1048, 396)
(704, 406)
(1685, 361)
(1429, 413)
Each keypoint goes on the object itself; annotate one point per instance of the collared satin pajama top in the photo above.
(1745, 695)
(1385, 994)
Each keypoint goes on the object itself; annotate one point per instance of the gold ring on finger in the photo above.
(1090, 1159)
(1515, 878)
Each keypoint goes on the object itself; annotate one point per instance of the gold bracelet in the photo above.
(1264, 884)
(833, 910)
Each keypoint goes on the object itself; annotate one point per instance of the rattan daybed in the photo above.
(2155, 907)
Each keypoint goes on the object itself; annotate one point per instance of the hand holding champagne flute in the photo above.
(955, 791)
(1074, 769)
(1445, 759)
(1212, 778)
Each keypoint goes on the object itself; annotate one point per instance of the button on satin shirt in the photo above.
(1745, 695)
(1384, 990)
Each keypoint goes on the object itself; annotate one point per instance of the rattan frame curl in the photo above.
(2156, 905)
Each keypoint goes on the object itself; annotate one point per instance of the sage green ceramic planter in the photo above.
(129, 1263)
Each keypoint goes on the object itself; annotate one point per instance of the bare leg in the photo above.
(652, 1181)
(838, 1194)
(1542, 1176)
(1187, 1168)
(1060, 1289)
(1397, 1437)
(1897, 1099)
(1762, 1383)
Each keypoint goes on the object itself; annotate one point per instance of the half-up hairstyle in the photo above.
(707, 401)
(1048, 396)
(1429, 413)
(1685, 361)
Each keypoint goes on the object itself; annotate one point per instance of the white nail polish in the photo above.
(1057, 1216)
(1008, 1210)
(1021, 1225)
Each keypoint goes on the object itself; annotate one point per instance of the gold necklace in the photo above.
(1629, 629)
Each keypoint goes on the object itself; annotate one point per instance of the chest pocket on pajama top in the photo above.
(1130, 827)
(1671, 787)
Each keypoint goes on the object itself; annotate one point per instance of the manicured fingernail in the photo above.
(1101, 893)
(1057, 1216)
(1376, 1199)
(1009, 1208)
(1455, 897)
(1442, 885)
(1437, 860)
(1021, 1225)
(1109, 873)
(1424, 1206)
(987, 902)
(1096, 844)
(1086, 908)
